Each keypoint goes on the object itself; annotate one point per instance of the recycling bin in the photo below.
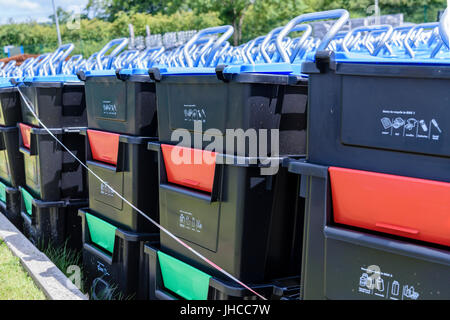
(373, 236)
(206, 102)
(10, 112)
(10, 204)
(58, 101)
(172, 279)
(51, 172)
(53, 223)
(125, 164)
(238, 215)
(122, 101)
(113, 259)
(11, 159)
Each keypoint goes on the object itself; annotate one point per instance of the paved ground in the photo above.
(47, 276)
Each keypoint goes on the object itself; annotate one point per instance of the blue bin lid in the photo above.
(100, 73)
(267, 68)
(134, 72)
(57, 78)
(360, 58)
(5, 83)
(187, 71)
(263, 68)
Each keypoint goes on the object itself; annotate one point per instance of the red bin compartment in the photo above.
(104, 146)
(403, 206)
(198, 176)
(25, 131)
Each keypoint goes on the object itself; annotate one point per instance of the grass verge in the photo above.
(65, 259)
(15, 283)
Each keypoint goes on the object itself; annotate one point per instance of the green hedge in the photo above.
(94, 34)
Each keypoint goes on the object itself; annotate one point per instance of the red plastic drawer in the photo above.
(182, 168)
(408, 207)
(104, 146)
(25, 131)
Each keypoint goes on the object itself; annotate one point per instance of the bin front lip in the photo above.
(124, 138)
(388, 244)
(57, 204)
(8, 129)
(121, 233)
(8, 89)
(238, 161)
(57, 131)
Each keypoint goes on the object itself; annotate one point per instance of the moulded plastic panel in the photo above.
(403, 206)
(198, 173)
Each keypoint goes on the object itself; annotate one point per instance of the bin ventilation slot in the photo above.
(25, 131)
(28, 201)
(2, 192)
(102, 233)
(197, 176)
(104, 146)
(182, 279)
(408, 207)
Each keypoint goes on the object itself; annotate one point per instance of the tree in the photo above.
(265, 15)
(230, 12)
(63, 16)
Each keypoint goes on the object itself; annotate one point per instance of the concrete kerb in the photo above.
(54, 284)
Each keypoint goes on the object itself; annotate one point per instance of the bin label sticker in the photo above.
(194, 113)
(384, 285)
(109, 109)
(405, 124)
(105, 190)
(189, 222)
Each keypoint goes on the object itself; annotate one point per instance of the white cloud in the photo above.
(24, 5)
(37, 10)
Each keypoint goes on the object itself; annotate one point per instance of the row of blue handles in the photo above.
(210, 47)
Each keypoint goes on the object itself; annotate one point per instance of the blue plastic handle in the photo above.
(341, 15)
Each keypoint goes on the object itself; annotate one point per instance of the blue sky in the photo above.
(38, 10)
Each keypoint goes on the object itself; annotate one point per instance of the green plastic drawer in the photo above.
(184, 280)
(2, 192)
(28, 201)
(102, 233)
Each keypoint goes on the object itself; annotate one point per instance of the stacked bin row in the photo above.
(121, 110)
(376, 185)
(11, 161)
(350, 204)
(55, 185)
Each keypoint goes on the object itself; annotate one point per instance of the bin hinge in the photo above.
(155, 74)
(324, 60)
(81, 75)
(225, 77)
(118, 75)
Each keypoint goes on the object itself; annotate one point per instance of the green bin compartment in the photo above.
(172, 279)
(102, 233)
(54, 222)
(113, 259)
(10, 204)
(2, 192)
(184, 280)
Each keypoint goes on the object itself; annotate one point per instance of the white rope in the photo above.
(138, 210)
